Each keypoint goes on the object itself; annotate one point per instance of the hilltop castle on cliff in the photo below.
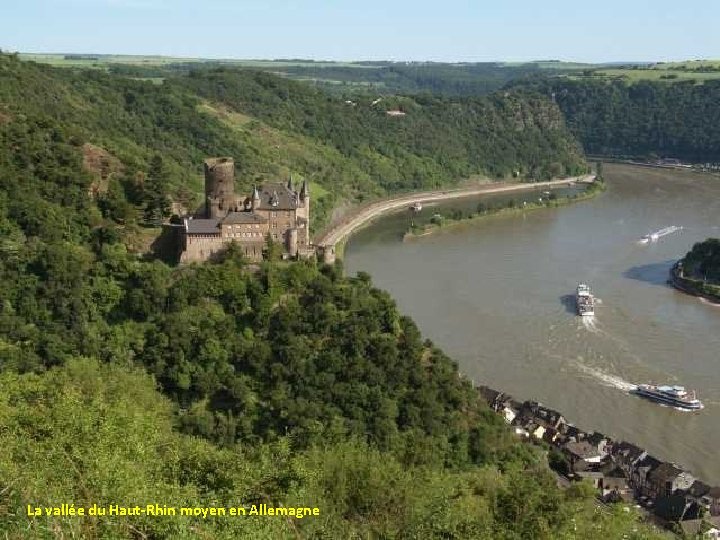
(276, 212)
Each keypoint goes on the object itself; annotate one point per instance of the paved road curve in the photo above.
(341, 230)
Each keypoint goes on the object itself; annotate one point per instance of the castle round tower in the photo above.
(219, 186)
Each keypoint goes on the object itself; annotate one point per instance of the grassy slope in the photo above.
(287, 153)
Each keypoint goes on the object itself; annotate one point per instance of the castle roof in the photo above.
(277, 197)
(202, 226)
(243, 217)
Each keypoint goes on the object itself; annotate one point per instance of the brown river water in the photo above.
(496, 294)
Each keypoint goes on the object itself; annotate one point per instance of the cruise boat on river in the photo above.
(674, 396)
(585, 301)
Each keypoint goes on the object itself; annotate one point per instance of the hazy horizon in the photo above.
(455, 31)
(529, 60)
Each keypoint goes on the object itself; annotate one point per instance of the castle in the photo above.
(274, 211)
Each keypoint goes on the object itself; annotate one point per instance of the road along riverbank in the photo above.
(337, 233)
(444, 222)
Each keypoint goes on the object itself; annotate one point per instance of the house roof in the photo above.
(692, 527)
(573, 431)
(628, 450)
(243, 217)
(714, 492)
(202, 226)
(648, 462)
(582, 449)
(610, 482)
(611, 470)
(596, 438)
(665, 472)
(698, 489)
(549, 416)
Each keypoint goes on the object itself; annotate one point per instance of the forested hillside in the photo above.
(645, 118)
(438, 139)
(272, 127)
(126, 381)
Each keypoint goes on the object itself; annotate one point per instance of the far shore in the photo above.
(340, 231)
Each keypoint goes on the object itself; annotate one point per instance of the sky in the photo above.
(449, 30)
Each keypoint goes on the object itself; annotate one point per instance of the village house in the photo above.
(627, 455)
(699, 492)
(614, 487)
(666, 479)
(581, 454)
(639, 476)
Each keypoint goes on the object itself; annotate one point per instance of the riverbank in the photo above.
(510, 208)
(337, 233)
(694, 287)
(620, 471)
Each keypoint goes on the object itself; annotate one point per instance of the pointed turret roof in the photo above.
(289, 184)
(305, 191)
(256, 193)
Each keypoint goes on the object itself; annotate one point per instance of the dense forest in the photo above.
(126, 381)
(273, 127)
(438, 139)
(703, 261)
(640, 119)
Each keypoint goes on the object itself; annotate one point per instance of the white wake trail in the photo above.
(612, 381)
(590, 324)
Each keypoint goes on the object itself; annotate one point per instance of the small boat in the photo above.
(674, 396)
(416, 207)
(655, 236)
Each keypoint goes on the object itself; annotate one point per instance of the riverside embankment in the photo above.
(695, 287)
(444, 222)
(338, 232)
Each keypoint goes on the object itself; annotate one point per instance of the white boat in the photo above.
(675, 396)
(416, 207)
(584, 300)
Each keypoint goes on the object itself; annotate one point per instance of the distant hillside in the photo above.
(645, 118)
(434, 141)
(378, 77)
(273, 126)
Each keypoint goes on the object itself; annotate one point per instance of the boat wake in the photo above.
(657, 235)
(612, 381)
(590, 324)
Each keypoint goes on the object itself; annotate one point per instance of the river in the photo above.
(496, 295)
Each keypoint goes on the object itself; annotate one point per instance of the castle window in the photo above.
(273, 214)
